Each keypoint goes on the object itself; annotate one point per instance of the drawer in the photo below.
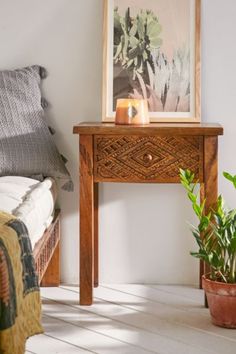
(135, 158)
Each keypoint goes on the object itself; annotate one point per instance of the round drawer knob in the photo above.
(147, 158)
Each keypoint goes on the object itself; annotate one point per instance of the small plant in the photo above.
(215, 233)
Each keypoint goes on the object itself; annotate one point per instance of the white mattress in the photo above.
(29, 200)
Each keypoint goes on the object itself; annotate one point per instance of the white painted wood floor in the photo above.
(130, 319)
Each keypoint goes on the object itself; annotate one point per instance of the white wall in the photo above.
(144, 236)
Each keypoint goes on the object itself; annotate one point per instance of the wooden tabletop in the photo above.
(92, 128)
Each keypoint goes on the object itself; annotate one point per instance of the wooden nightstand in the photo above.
(143, 154)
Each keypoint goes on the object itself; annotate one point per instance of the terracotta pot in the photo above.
(221, 299)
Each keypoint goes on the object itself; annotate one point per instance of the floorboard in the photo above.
(52, 343)
(132, 319)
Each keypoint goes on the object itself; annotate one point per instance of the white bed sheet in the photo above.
(29, 200)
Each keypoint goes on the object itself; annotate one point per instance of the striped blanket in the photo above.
(20, 305)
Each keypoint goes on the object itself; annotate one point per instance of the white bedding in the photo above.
(29, 200)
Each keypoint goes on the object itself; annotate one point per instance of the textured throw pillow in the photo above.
(26, 145)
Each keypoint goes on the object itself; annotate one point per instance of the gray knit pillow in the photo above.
(26, 145)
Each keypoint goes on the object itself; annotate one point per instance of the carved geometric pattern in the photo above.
(46, 246)
(146, 158)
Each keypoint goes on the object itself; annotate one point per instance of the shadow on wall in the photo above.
(144, 239)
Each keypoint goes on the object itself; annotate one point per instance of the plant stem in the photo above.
(232, 275)
(223, 277)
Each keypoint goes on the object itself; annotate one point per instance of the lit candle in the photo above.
(131, 111)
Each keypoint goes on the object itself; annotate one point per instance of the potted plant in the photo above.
(216, 239)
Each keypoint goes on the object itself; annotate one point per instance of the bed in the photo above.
(33, 202)
(29, 256)
(29, 164)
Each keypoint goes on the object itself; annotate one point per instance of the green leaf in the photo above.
(192, 197)
(133, 53)
(203, 206)
(125, 47)
(155, 43)
(145, 56)
(199, 242)
(233, 245)
(118, 51)
(127, 20)
(153, 29)
(129, 63)
(133, 29)
(197, 210)
(140, 27)
(133, 41)
(230, 178)
(140, 69)
(204, 224)
(181, 172)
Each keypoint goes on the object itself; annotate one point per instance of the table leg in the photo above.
(96, 236)
(86, 220)
(210, 178)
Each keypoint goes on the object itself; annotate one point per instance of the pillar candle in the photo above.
(132, 111)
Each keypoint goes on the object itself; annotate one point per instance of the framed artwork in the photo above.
(152, 51)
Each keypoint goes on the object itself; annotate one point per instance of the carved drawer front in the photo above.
(146, 158)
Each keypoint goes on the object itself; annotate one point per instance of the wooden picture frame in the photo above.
(170, 82)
